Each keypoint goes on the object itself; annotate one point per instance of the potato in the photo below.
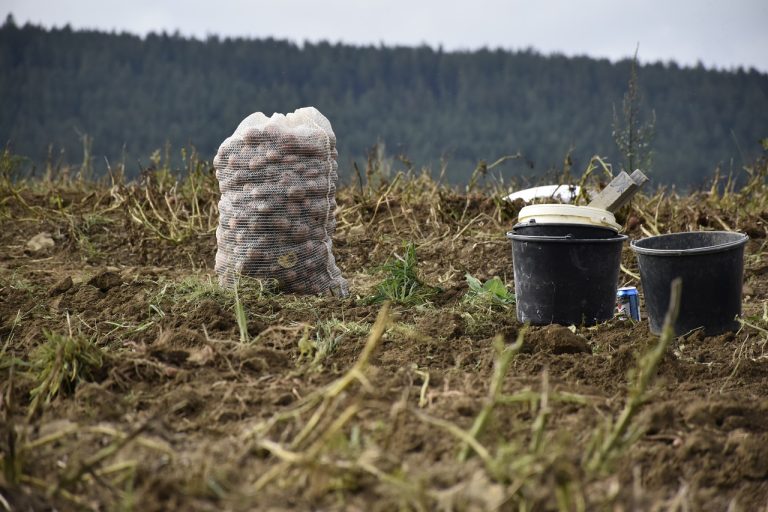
(299, 287)
(316, 289)
(291, 276)
(287, 143)
(309, 248)
(301, 168)
(262, 207)
(310, 187)
(317, 233)
(300, 232)
(218, 161)
(227, 148)
(259, 224)
(241, 237)
(279, 203)
(272, 132)
(303, 144)
(282, 225)
(236, 223)
(255, 163)
(295, 211)
(233, 162)
(287, 179)
(260, 192)
(256, 253)
(238, 199)
(322, 183)
(253, 136)
(318, 210)
(295, 193)
(317, 262)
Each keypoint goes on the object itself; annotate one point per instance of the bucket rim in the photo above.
(565, 239)
(564, 224)
(647, 251)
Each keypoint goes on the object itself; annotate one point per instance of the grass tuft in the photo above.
(60, 364)
(402, 284)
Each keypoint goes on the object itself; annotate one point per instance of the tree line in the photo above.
(130, 95)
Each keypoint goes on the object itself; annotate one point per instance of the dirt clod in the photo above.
(106, 280)
(557, 340)
(61, 286)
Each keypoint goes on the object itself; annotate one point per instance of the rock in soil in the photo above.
(40, 243)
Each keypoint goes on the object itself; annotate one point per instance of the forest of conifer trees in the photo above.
(131, 95)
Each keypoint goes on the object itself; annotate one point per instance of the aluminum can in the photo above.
(628, 303)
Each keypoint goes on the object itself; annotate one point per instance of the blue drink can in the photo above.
(628, 303)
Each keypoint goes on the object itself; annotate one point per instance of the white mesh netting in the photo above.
(277, 177)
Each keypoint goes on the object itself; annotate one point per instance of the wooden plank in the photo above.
(619, 191)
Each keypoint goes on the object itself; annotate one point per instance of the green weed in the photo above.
(329, 334)
(241, 317)
(492, 293)
(193, 289)
(402, 284)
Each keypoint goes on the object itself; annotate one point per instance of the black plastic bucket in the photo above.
(711, 265)
(566, 280)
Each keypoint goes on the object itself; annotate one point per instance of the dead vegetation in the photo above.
(130, 380)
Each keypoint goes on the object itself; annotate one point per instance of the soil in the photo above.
(192, 414)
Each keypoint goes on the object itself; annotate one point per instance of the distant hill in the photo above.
(133, 94)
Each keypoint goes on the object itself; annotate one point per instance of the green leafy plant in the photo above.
(402, 283)
(491, 293)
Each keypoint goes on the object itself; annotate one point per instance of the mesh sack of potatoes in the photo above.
(277, 177)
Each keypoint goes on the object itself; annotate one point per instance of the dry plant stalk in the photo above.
(323, 400)
(505, 356)
(637, 393)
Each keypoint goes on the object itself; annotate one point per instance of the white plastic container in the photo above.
(567, 214)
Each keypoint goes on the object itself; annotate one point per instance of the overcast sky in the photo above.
(722, 34)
